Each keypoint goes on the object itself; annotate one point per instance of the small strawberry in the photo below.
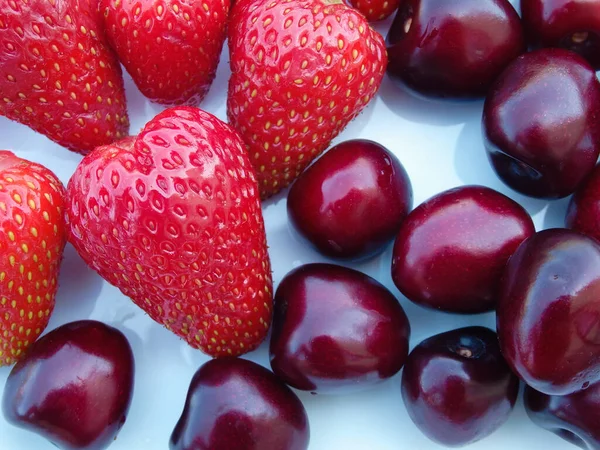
(301, 70)
(375, 10)
(32, 239)
(57, 74)
(173, 219)
(171, 48)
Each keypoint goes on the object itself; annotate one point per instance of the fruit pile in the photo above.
(172, 215)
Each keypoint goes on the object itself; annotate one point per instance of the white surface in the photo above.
(440, 146)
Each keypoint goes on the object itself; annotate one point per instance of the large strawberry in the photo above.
(301, 70)
(171, 48)
(57, 74)
(32, 239)
(173, 219)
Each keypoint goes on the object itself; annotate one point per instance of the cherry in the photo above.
(583, 213)
(548, 314)
(570, 24)
(351, 202)
(336, 330)
(235, 404)
(451, 250)
(457, 388)
(574, 417)
(540, 123)
(74, 386)
(444, 48)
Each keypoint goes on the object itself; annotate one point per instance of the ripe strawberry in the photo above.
(57, 74)
(173, 219)
(171, 48)
(375, 10)
(301, 70)
(32, 239)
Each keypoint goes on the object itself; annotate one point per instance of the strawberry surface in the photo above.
(32, 239)
(57, 73)
(172, 217)
(301, 70)
(375, 10)
(171, 48)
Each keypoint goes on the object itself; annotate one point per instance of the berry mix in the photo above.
(172, 215)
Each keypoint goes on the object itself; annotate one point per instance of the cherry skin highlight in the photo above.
(336, 330)
(73, 387)
(457, 388)
(570, 24)
(235, 404)
(451, 250)
(548, 312)
(574, 417)
(351, 202)
(453, 49)
(540, 123)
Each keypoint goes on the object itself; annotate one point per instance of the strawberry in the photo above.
(301, 70)
(32, 239)
(171, 48)
(375, 10)
(172, 217)
(57, 74)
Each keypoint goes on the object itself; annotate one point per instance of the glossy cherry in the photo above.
(570, 24)
(351, 202)
(451, 250)
(583, 213)
(540, 123)
(575, 417)
(336, 330)
(457, 388)
(235, 404)
(548, 314)
(73, 387)
(455, 49)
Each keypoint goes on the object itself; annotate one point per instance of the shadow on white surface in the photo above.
(556, 212)
(78, 290)
(473, 167)
(140, 109)
(420, 110)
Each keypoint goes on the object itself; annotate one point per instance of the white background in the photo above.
(440, 146)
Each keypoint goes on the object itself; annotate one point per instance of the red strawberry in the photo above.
(171, 48)
(57, 74)
(375, 10)
(173, 219)
(301, 70)
(32, 239)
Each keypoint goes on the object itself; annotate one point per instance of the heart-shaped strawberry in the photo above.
(301, 70)
(172, 217)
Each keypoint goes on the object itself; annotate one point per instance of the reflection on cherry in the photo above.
(336, 330)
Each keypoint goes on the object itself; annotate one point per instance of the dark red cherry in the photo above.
(451, 250)
(457, 388)
(575, 417)
(73, 387)
(456, 49)
(548, 314)
(336, 330)
(351, 202)
(541, 123)
(570, 24)
(235, 404)
(583, 213)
